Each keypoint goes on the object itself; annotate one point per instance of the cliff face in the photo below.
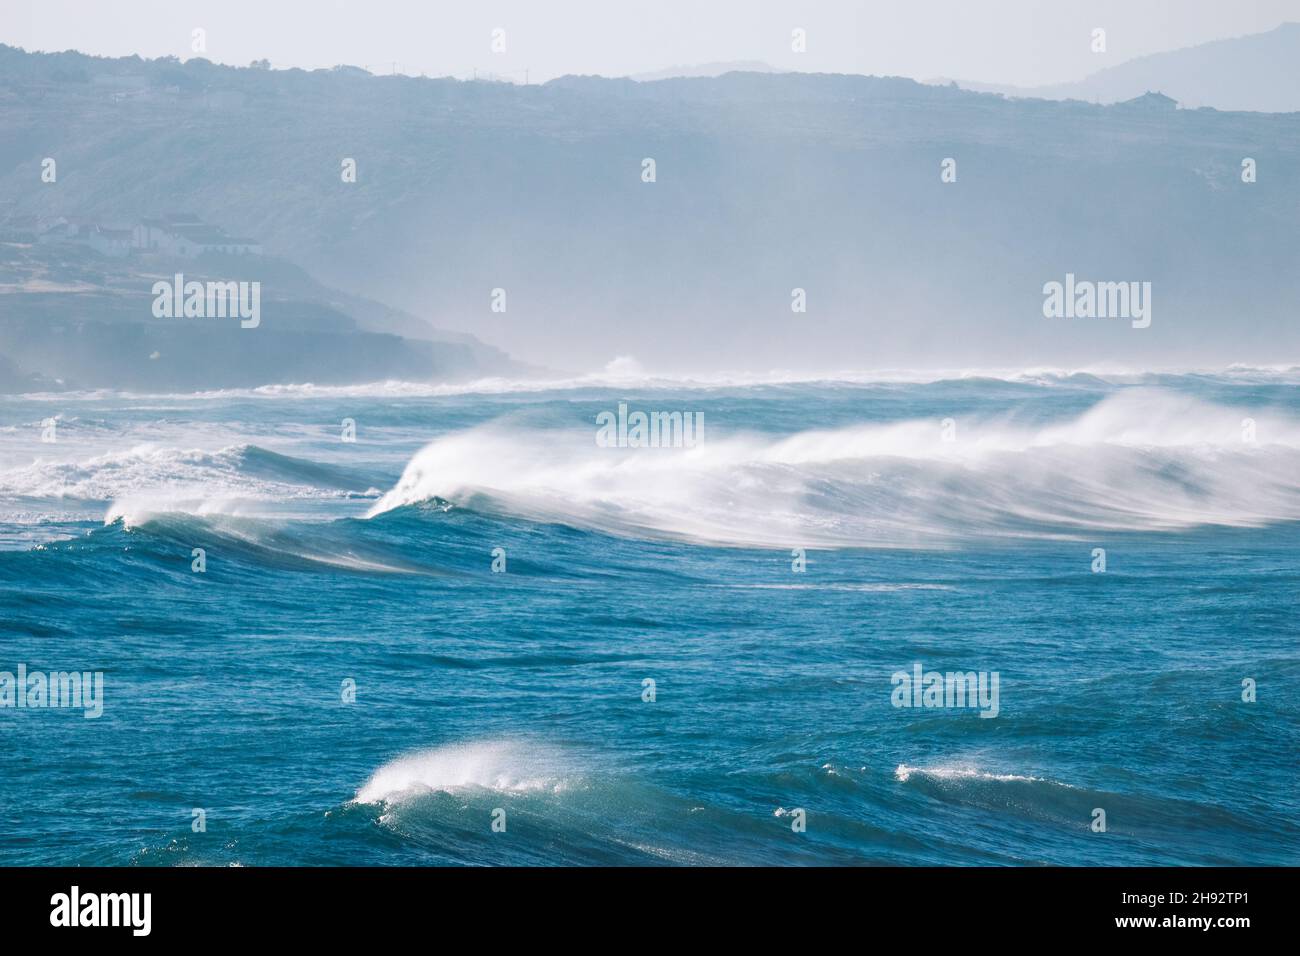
(763, 184)
(73, 318)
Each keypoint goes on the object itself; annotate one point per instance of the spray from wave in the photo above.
(1141, 459)
(508, 766)
(959, 772)
(148, 480)
(246, 470)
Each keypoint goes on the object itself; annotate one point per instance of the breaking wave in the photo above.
(964, 772)
(507, 766)
(150, 479)
(625, 373)
(1142, 459)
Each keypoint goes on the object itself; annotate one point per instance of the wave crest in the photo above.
(1141, 459)
(508, 766)
(147, 480)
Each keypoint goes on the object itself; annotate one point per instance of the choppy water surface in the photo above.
(965, 546)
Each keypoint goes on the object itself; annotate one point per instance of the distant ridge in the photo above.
(1256, 73)
(763, 185)
(707, 70)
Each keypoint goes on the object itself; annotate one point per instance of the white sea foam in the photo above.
(144, 467)
(150, 479)
(503, 765)
(626, 373)
(1140, 459)
(949, 772)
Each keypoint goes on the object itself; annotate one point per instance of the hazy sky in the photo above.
(1022, 42)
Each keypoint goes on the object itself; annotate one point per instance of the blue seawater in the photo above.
(952, 524)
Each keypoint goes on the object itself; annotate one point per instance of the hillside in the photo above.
(1257, 72)
(73, 318)
(765, 183)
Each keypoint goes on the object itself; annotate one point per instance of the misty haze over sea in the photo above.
(481, 462)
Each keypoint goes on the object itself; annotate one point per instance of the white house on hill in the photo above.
(115, 243)
(187, 236)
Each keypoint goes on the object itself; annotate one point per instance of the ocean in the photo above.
(477, 635)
